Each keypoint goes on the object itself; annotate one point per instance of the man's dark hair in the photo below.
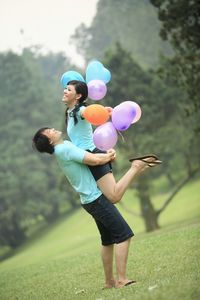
(41, 142)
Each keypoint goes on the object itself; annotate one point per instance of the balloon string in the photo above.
(123, 140)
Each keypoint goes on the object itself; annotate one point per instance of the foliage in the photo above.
(130, 22)
(28, 101)
(162, 111)
(181, 27)
(30, 184)
(162, 107)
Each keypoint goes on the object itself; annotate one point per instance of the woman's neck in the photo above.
(72, 104)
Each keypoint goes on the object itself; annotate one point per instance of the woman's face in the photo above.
(70, 97)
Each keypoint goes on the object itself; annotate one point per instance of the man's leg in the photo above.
(121, 257)
(107, 259)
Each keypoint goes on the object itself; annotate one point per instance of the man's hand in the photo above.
(112, 154)
(92, 159)
(109, 110)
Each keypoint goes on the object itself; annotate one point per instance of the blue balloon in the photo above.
(96, 71)
(93, 70)
(70, 75)
(106, 75)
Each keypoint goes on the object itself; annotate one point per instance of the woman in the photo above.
(81, 134)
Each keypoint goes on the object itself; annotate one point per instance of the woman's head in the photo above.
(75, 93)
(80, 88)
(74, 96)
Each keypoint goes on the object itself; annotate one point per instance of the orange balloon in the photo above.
(96, 114)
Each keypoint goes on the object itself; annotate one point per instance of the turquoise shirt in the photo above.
(70, 159)
(80, 134)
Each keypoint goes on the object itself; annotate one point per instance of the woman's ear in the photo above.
(78, 96)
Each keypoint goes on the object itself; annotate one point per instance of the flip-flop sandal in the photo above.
(127, 284)
(130, 282)
(153, 163)
(150, 164)
(143, 157)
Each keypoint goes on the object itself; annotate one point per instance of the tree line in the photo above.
(32, 189)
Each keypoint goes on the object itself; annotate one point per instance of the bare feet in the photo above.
(109, 285)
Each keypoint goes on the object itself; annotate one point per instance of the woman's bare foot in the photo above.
(143, 164)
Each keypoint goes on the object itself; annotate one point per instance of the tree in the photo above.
(162, 112)
(181, 27)
(130, 22)
(29, 182)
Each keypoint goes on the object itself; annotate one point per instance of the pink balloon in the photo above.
(123, 115)
(105, 136)
(96, 89)
(137, 108)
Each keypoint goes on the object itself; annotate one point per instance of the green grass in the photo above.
(64, 261)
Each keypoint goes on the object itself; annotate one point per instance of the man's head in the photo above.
(46, 138)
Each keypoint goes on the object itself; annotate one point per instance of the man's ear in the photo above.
(50, 142)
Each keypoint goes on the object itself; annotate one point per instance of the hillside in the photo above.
(63, 262)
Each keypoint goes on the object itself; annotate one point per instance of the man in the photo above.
(112, 227)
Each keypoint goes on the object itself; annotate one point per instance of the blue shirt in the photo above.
(80, 134)
(70, 159)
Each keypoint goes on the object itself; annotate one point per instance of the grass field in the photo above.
(64, 262)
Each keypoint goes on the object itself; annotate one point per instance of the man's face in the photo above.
(53, 135)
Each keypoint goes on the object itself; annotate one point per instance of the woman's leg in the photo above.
(115, 190)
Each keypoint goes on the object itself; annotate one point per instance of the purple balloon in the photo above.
(138, 111)
(105, 136)
(123, 115)
(96, 89)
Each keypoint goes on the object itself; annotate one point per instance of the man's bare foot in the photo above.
(109, 285)
(124, 283)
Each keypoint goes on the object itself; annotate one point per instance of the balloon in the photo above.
(96, 70)
(70, 75)
(105, 136)
(96, 89)
(105, 75)
(123, 115)
(96, 114)
(138, 113)
(137, 109)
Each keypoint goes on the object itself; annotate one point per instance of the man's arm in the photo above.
(91, 159)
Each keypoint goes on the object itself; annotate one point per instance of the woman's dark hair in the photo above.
(41, 142)
(80, 88)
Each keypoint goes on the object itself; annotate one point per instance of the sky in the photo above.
(48, 23)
